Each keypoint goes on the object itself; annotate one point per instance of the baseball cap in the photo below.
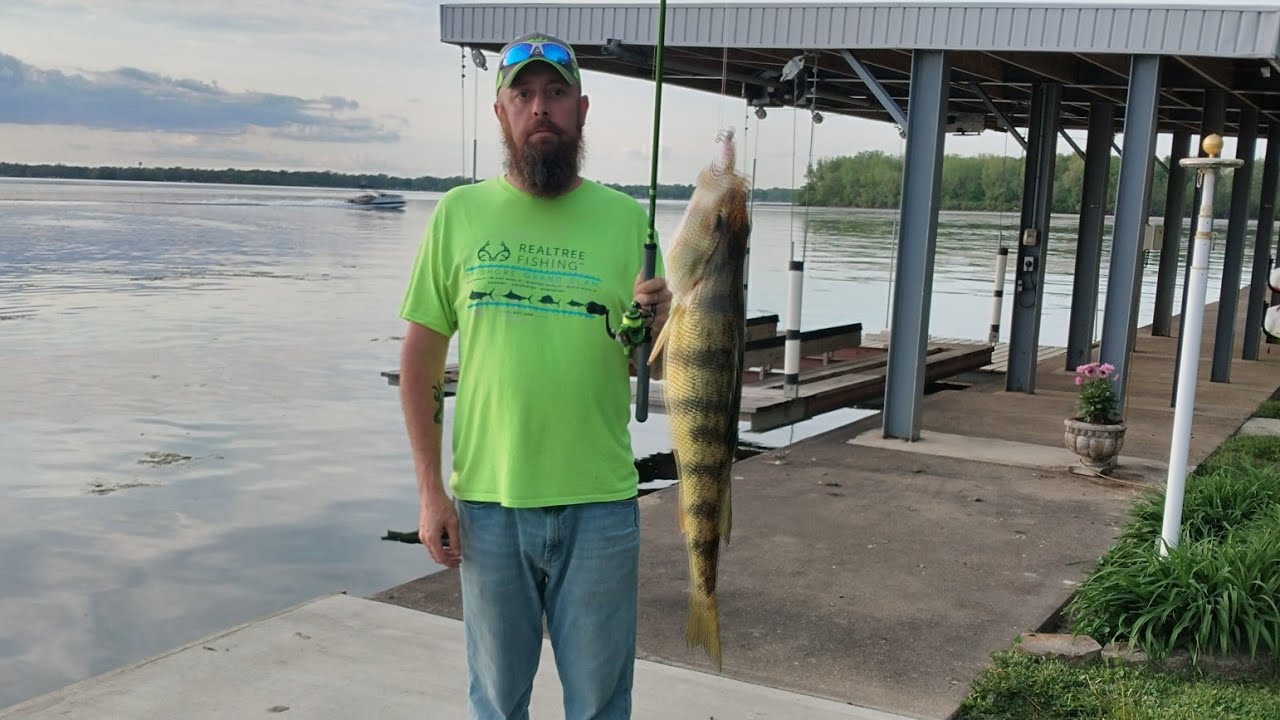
(533, 47)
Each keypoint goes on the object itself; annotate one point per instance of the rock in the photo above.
(1070, 648)
(1121, 653)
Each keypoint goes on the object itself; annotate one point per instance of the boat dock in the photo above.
(837, 369)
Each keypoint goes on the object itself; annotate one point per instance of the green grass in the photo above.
(1269, 409)
(1241, 450)
(1022, 687)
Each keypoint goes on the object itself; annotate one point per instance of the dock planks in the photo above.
(999, 355)
(767, 405)
(839, 368)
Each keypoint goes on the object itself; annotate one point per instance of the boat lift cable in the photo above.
(650, 246)
(462, 105)
(475, 120)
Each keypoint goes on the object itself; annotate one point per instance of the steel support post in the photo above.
(1174, 207)
(1093, 214)
(1133, 200)
(921, 191)
(1033, 240)
(1262, 246)
(1237, 224)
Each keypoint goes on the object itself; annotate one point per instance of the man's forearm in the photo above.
(422, 361)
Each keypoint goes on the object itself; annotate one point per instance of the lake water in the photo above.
(193, 428)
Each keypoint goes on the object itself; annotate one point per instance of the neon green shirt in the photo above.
(544, 396)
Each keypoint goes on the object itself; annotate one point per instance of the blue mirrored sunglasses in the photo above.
(555, 52)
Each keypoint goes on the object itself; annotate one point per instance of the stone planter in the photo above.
(1097, 445)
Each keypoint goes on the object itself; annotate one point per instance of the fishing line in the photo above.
(463, 105)
(475, 126)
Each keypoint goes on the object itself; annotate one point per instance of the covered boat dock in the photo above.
(1034, 70)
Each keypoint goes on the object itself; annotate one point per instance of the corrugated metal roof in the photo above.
(1204, 30)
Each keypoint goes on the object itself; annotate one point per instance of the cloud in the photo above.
(131, 99)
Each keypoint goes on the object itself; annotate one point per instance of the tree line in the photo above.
(873, 179)
(314, 178)
(869, 179)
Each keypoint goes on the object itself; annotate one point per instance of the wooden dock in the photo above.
(828, 384)
(999, 355)
(838, 368)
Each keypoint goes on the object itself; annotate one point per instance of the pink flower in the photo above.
(1079, 380)
(1107, 369)
(1091, 370)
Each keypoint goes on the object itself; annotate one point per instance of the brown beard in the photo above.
(544, 169)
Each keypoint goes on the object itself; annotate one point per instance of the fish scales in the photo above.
(701, 349)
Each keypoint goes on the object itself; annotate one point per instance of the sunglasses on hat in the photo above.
(517, 54)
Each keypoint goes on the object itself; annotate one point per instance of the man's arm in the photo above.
(422, 359)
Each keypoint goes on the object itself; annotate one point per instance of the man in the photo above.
(533, 270)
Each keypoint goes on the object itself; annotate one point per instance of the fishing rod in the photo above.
(650, 247)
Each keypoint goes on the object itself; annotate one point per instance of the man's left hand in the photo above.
(651, 293)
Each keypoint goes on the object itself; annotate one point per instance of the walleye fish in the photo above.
(701, 349)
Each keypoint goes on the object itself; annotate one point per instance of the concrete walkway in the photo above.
(340, 658)
(884, 573)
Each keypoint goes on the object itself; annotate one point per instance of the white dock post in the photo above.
(997, 295)
(791, 358)
(1189, 364)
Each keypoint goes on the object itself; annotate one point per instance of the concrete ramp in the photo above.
(345, 657)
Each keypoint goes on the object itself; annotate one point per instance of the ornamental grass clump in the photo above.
(1097, 403)
(1218, 591)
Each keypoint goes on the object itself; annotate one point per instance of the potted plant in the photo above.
(1096, 433)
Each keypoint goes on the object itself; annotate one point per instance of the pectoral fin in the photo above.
(661, 341)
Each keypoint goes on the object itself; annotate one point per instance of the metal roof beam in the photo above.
(1117, 67)
(1052, 68)
(1004, 120)
(1222, 74)
(890, 105)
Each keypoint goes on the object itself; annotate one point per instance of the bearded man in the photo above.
(543, 521)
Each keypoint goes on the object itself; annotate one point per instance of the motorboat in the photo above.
(378, 199)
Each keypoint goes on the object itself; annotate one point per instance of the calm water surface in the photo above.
(193, 428)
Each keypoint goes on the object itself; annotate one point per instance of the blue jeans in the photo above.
(578, 564)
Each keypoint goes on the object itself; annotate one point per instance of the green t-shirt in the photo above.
(544, 395)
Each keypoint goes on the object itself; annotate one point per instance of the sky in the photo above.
(347, 86)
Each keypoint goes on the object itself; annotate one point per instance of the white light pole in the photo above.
(1189, 364)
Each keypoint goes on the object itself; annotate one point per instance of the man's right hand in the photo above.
(436, 520)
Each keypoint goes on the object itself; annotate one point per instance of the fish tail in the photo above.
(703, 628)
